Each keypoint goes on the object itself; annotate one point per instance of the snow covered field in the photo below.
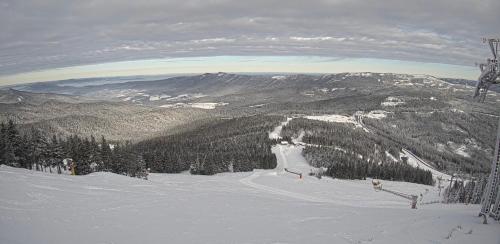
(261, 207)
(264, 206)
(194, 105)
(334, 118)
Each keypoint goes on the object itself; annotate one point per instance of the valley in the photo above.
(248, 133)
(427, 115)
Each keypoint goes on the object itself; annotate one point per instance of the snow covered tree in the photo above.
(55, 154)
(105, 154)
(37, 145)
(10, 145)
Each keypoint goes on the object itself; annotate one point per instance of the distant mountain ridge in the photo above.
(217, 85)
(202, 81)
(16, 96)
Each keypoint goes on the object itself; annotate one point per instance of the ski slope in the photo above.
(276, 133)
(260, 207)
(415, 161)
(264, 206)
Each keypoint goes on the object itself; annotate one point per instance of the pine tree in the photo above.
(94, 152)
(24, 158)
(105, 155)
(37, 149)
(3, 142)
(55, 154)
(15, 141)
(116, 160)
(8, 155)
(10, 144)
(85, 158)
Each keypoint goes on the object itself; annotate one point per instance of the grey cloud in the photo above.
(57, 33)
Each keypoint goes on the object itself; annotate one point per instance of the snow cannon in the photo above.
(68, 162)
(377, 185)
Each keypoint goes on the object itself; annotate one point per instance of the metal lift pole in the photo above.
(492, 185)
(490, 74)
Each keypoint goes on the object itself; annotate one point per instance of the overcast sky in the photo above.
(51, 34)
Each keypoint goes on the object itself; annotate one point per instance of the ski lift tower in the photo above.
(490, 74)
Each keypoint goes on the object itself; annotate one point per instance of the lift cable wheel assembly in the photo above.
(490, 74)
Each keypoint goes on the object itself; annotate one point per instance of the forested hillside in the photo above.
(450, 140)
(352, 153)
(432, 118)
(239, 144)
(117, 121)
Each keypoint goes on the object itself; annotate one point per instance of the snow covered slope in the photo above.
(260, 207)
(276, 133)
(264, 206)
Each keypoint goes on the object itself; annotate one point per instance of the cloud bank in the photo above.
(38, 35)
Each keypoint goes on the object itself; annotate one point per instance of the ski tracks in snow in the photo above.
(248, 181)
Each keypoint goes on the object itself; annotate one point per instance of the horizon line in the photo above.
(308, 65)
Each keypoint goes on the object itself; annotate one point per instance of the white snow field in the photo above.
(264, 206)
(334, 118)
(194, 105)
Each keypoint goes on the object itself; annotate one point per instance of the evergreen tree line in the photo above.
(342, 165)
(351, 153)
(32, 150)
(223, 145)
